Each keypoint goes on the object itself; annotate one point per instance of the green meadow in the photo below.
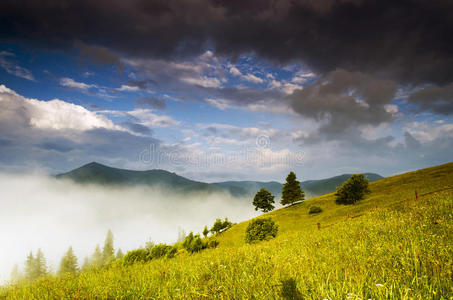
(391, 245)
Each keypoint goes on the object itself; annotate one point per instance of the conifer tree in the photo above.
(16, 275)
(119, 254)
(96, 258)
(40, 264)
(291, 191)
(86, 264)
(108, 250)
(68, 263)
(29, 267)
(205, 231)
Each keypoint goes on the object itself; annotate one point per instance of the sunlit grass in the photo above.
(401, 250)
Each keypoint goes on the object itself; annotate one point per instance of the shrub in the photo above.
(212, 244)
(353, 190)
(193, 243)
(261, 229)
(315, 210)
(171, 252)
(133, 256)
(220, 225)
(158, 251)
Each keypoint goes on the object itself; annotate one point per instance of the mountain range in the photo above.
(95, 173)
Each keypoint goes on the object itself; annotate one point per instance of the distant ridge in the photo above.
(96, 173)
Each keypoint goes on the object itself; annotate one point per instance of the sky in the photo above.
(226, 90)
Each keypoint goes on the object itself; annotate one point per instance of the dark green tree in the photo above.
(68, 263)
(108, 251)
(263, 200)
(291, 191)
(353, 190)
(205, 231)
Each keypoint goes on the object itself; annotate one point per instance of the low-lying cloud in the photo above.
(50, 214)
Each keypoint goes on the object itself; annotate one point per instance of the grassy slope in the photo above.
(401, 251)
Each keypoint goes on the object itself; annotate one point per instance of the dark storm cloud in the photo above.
(154, 102)
(343, 100)
(436, 99)
(409, 40)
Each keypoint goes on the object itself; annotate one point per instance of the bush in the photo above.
(158, 251)
(212, 244)
(171, 252)
(353, 190)
(193, 243)
(261, 229)
(220, 225)
(133, 256)
(315, 210)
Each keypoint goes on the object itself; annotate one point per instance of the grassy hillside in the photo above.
(400, 250)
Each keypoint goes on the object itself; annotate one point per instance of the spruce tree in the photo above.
(119, 254)
(291, 191)
(29, 267)
(16, 275)
(40, 264)
(205, 231)
(108, 250)
(68, 263)
(86, 264)
(263, 200)
(96, 258)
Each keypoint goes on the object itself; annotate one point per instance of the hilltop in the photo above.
(96, 173)
(394, 244)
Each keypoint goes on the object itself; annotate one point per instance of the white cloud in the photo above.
(219, 103)
(55, 114)
(148, 118)
(302, 77)
(204, 81)
(71, 83)
(14, 69)
(128, 88)
(247, 77)
(425, 132)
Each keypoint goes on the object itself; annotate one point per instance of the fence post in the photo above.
(416, 195)
(347, 216)
(374, 205)
(319, 226)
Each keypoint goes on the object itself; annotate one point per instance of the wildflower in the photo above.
(379, 284)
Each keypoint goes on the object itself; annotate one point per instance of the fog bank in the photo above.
(42, 212)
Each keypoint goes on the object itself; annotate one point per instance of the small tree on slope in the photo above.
(291, 191)
(263, 200)
(353, 190)
(68, 263)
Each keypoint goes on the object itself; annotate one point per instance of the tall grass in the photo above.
(401, 250)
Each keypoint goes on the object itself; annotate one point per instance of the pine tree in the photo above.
(86, 264)
(29, 267)
(119, 254)
(40, 264)
(292, 192)
(263, 200)
(205, 231)
(16, 275)
(108, 251)
(96, 258)
(68, 263)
